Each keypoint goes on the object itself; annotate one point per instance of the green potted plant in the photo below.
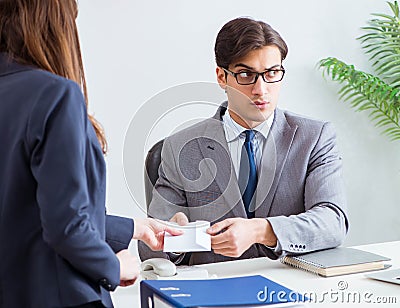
(379, 95)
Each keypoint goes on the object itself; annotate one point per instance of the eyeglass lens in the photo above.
(268, 76)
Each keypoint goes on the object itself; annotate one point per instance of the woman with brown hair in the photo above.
(58, 247)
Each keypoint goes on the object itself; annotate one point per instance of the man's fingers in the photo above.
(219, 227)
(219, 239)
(226, 249)
(228, 252)
(220, 243)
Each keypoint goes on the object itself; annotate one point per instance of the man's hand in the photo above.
(129, 268)
(151, 232)
(180, 218)
(233, 236)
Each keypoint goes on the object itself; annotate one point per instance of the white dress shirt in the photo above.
(235, 137)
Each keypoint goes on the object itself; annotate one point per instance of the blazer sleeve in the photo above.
(119, 232)
(324, 223)
(169, 196)
(58, 134)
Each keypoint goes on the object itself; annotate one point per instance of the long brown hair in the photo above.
(43, 33)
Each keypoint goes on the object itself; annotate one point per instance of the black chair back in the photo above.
(152, 163)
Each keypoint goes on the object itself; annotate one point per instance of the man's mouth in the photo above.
(261, 104)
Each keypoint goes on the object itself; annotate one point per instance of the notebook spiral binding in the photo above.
(300, 263)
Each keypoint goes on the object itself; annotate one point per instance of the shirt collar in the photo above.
(233, 129)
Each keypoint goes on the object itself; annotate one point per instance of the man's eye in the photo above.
(246, 74)
(271, 73)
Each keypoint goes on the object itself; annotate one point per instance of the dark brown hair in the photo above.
(43, 33)
(240, 36)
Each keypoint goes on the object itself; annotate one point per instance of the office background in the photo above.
(135, 49)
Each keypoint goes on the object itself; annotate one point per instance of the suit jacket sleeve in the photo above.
(58, 131)
(168, 194)
(324, 223)
(119, 232)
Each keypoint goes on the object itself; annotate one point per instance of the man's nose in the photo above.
(260, 87)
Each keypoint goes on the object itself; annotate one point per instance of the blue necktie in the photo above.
(248, 172)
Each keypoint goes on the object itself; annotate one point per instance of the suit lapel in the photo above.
(214, 148)
(275, 152)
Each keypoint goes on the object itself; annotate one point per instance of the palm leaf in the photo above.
(382, 44)
(366, 92)
(379, 96)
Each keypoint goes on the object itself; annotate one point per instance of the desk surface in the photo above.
(348, 290)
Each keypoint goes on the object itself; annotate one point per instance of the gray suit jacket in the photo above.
(300, 189)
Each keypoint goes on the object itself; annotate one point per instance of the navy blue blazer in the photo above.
(57, 245)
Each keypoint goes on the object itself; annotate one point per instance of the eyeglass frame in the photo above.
(282, 69)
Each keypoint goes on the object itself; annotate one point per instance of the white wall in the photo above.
(135, 49)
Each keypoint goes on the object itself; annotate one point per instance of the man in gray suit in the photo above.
(268, 180)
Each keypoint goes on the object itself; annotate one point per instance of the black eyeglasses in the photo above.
(247, 77)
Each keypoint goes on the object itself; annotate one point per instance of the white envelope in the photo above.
(194, 238)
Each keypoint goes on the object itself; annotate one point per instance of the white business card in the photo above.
(194, 238)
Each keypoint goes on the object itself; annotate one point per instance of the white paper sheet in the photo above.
(194, 238)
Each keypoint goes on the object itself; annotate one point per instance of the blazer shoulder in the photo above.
(42, 89)
(39, 79)
(51, 96)
(309, 128)
(193, 131)
(302, 121)
(50, 90)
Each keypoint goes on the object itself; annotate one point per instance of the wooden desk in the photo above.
(342, 291)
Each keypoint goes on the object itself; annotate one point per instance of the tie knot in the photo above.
(249, 135)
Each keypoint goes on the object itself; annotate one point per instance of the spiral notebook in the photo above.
(337, 261)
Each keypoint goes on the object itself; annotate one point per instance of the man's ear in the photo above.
(221, 77)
